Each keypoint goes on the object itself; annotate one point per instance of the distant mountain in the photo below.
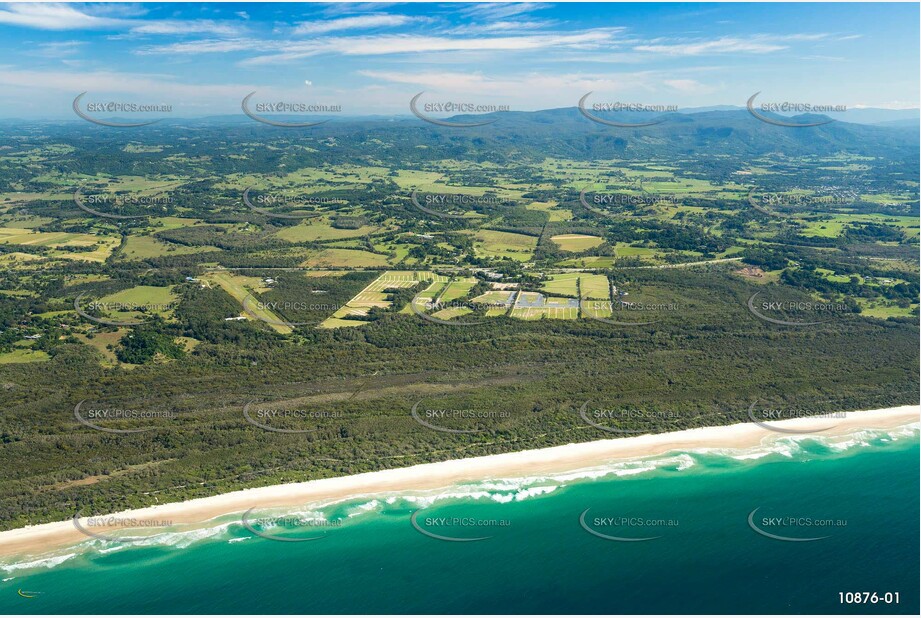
(857, 115)
(719, 136)
(733, 133)
(908, 123)
(711, 108)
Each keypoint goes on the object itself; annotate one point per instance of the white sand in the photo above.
(42, 538)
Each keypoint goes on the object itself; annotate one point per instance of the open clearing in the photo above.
(321, 230)
(148, 300)
(564, 283)
(23, 355)
(142, 247)
(101, 246)
(535, 306)
(496, 244)
(240, 287)
(576, 242)
(344, 258)
(457, 289)
(374, 295)
(594, 286)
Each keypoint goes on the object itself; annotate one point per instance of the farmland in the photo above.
(532, 257)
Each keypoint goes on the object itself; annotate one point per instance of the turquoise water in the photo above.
(539, 558)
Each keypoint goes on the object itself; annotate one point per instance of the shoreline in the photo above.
(38, 539)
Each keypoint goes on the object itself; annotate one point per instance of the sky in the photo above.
(202, 59)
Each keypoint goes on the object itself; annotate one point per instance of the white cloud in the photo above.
(336, 9)
(500, 10)
(358, 22)
(67, 17)
(502, 26)
(542, 90)
(758, 43)
(55, 17)
(723, 45)
(893, 105)
(687, 86)
(379, 45)
(111, 82)
(59, 49)
(194, 26)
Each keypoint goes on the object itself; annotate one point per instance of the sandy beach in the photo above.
(40, 539)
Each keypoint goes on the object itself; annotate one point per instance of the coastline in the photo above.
(38, 539)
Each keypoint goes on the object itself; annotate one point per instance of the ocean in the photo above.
(725, 532)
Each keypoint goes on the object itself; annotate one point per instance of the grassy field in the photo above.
(321, 230)
(374, 295)
(16, 259)
(599, 261)
(23, 355)
(835, 226)
(564, 283)
(240, 287)
(495, 244)
(882, 310)
(344, 258)
(429, 295)
(576, 242)
(550, 313)
(61, 241)
(495, 296)
(594, 286)
(552, 209)
(647, 254)
(596, 309)
(143, 247)
(152, 299)
(457, 289)
(102, 341)
(451, 312)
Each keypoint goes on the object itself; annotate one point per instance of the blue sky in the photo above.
(372, 58)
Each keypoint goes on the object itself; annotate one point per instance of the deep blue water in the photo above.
(706, 559)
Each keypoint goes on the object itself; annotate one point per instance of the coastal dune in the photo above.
(42, 538)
